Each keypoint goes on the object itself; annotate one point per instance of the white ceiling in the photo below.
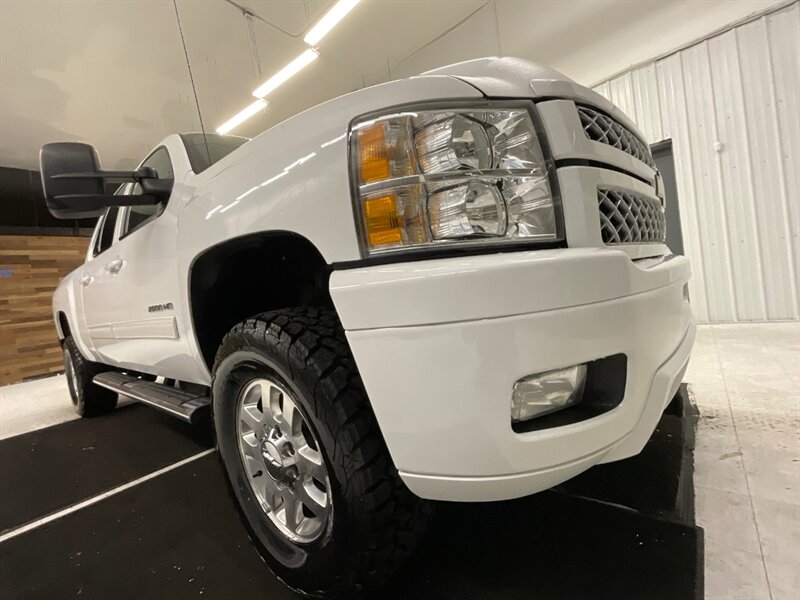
(114, 73)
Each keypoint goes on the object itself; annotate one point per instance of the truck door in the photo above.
(97, 287)
(144, 314)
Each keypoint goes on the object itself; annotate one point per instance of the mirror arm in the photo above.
(155, 189)
(111, 200)
(137, 176)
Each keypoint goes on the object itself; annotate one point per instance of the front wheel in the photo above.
(89, 400)
(305, 458)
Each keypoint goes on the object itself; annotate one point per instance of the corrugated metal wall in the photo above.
(730, 105)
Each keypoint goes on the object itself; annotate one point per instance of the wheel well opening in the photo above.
(63, 324)
(250, 275)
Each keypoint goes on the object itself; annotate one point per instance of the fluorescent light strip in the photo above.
(242, 116)
(319, 31)
(329, 21)
(294, 67)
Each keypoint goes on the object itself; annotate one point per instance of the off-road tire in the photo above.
(89, 400)
(376, 521)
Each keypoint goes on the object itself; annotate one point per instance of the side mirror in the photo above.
(74, 184)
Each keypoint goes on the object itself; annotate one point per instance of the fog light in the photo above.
(544, 393)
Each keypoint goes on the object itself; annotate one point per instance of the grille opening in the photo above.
(630, 218)
(599, 127)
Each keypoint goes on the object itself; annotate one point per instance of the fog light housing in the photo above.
(545, 393)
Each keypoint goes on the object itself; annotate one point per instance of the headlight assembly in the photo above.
(452, 176)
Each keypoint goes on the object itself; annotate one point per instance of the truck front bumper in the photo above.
(440, 343)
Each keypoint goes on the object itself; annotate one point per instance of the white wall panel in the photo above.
(733, 155)
(710, 198)
(783, 33)
(590, 40)
(622, 93)
(730, 105)
(672, 99)
(647, 108)
(766, 138)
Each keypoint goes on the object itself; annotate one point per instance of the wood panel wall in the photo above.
(30, 269)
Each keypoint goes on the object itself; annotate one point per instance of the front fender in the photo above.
(67, 299)
(295, 176)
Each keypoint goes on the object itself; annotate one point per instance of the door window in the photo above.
(204, 149)
(98, 229)
(159, 160)
(139, 215)
(106, 236)
(136, 216)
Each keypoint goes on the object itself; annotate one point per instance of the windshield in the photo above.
(206, 149)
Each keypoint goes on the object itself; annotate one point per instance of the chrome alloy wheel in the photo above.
(283, 461)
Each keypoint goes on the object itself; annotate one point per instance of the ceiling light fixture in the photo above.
(329, 21)
(242, 116)
(294, 67)
(312, 38)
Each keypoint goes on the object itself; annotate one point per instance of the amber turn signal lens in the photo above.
(383, 225)
(373, 157)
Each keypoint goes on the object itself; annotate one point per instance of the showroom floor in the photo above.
(746, 384)
(743, 378)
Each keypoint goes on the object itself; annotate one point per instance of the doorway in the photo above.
(665, 162)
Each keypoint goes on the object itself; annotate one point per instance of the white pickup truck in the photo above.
(449, 287)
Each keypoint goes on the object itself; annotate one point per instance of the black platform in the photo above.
(623, 530)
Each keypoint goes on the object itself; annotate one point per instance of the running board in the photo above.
(188, 406)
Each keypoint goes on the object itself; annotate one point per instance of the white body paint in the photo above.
(439, 343)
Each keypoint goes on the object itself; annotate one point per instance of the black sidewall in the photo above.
(69, 368)
(88, 399)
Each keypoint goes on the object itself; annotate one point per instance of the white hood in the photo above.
(510, 77)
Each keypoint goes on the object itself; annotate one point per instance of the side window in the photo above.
(98, 233)
(159, 160)
(106, 237)
(136, 216)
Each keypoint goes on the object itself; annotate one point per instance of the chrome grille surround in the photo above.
(599, 127)
(630, 218)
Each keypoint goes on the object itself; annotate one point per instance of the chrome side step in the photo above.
(187, 406)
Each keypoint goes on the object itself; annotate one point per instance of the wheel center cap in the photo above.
(272, 454)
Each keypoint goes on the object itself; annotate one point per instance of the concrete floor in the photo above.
(746, 383)
(33, 405)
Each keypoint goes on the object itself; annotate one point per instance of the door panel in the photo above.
(164, 328)
(144, 292)
(146, 335)
(96, 287)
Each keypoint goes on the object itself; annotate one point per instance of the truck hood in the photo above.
(504, 76)
(510, 77)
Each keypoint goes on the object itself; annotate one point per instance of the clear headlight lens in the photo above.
(466, 209)
(451, 176)
(452, 143)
